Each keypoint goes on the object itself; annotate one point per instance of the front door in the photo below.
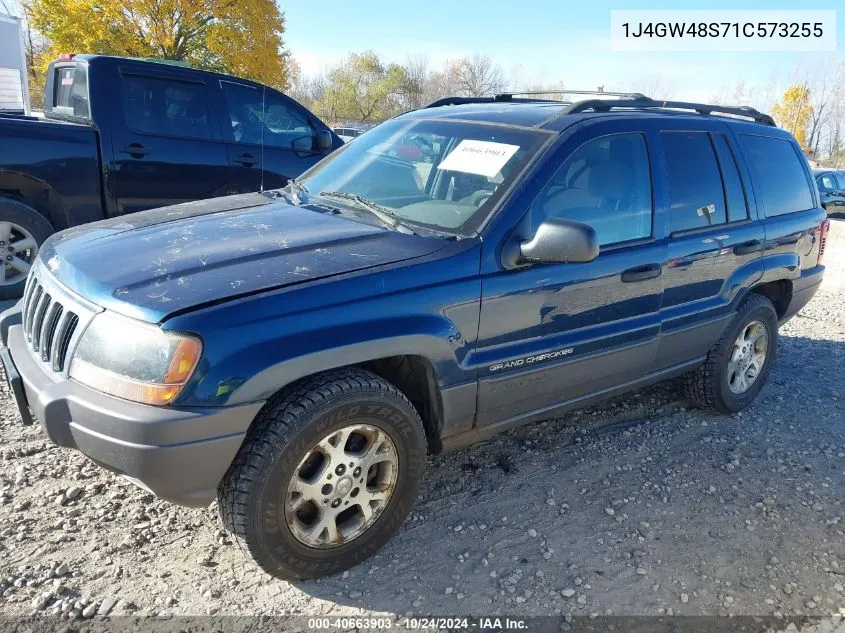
(269, 139)
(557, 333)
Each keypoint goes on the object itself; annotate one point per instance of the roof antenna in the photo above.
(263, 103)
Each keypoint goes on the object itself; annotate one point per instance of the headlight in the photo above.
(133, 360)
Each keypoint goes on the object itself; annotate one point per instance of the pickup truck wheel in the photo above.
(22, 231)
(327, 474)
(739, 364)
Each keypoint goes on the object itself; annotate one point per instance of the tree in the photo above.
(826, 88)
(477, 76)
(794, 112)
(240, 37)
(363, 88)
(414, 91)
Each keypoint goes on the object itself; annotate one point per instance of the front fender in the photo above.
(266, 382)
(255, 346)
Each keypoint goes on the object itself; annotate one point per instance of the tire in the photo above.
(711, 386)
(255, 498)
(19, 218)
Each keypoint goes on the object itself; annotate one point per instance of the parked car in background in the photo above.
(349, 132)
(123, 135)
(831, 184)
(300, 351)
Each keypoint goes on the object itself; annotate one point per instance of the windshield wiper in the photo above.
(387, 217)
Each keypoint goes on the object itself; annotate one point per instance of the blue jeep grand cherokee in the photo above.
(454, 272)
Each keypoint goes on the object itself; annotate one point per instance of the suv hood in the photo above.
(154, 263)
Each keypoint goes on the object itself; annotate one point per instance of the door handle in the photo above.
(754, 246)
(247, 160)
(641, 273)
(135, 150)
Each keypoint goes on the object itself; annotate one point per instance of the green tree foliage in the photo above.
(362, 88)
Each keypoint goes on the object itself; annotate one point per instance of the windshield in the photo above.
(442, 174)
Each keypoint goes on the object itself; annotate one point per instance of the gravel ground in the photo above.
(639, 506)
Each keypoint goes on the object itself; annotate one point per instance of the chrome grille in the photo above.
(51, 319)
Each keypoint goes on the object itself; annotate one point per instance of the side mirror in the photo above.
(324, 140)
(303, 143)
(560, 241)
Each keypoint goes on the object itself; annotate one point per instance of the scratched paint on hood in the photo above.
(157, 262)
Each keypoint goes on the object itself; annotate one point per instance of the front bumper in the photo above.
(178, 454)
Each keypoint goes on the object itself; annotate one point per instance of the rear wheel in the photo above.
(327, 474)
(739, 364)
(22, 231)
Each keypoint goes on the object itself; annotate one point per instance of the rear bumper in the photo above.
(803, 290)
(178, 454)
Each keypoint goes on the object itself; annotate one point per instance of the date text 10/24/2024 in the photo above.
(419, 623)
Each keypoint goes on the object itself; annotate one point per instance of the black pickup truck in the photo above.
(123, 135)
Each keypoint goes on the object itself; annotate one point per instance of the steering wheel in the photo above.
(478, 198)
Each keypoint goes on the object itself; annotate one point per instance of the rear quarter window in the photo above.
(777, 169)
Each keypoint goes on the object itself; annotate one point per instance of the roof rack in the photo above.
(446, 101)
(505, 96)
(626, 100)
(519, 97)
(603, 105)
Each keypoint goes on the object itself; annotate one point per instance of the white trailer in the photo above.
(14, 91)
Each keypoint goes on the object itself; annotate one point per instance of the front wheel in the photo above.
(327, 474)
(739, 364)
(22, 231)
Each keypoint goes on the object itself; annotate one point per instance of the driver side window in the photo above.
(255, 116)
(605, 183)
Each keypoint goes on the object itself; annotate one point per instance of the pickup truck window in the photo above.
(780, 181)
(166, 107)
(696, 196)
(70, 91)
(438, 173)
(255, 117)
(605, 183)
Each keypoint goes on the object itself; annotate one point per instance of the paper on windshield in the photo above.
(484, 158)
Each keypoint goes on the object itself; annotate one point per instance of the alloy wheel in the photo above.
(748, 357)
(341, 486)
(19, 250)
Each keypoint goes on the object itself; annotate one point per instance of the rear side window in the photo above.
(695, 183)
(166, 107)
(780, 183)
(605, 183)
(734, 193)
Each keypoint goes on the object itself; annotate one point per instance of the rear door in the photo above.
(553, 333)
(167, 149)
(268, 137)
(715, 245)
